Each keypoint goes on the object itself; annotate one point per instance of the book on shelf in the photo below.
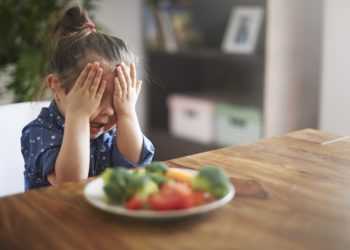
(150, 26)
(187, 32)
(170, 26)
(167, 37)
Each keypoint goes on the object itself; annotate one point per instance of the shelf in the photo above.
(209, 54)
(168, 147)
(202, 69)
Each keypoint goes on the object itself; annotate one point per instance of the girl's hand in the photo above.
(126, 91)
(86, 94)
(82, 101)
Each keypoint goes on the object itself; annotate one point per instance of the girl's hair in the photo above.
(76, 42)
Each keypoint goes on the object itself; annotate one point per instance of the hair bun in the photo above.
(72, 21)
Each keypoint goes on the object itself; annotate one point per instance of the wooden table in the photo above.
(293, 192)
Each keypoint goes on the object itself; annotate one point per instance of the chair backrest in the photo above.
(13, 118)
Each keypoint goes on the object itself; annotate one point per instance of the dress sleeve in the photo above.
(146, 154)
(40, 147)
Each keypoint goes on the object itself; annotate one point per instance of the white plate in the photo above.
(94, 194)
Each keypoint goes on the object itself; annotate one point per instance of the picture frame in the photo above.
(242, 30)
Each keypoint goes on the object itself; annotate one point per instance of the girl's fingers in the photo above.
(138, 87)
(82, 77)
(117, 88)
(91, 76)
(96, 82)
(101, 90)
(121, 80)
(126, 75)
(133, 74)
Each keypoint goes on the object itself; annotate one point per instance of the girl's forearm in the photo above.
(72, 162)
(129, 137)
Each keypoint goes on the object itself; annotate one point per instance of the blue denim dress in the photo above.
(41, 141)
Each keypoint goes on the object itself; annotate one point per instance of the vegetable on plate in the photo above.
(213, 180)
(159, 187)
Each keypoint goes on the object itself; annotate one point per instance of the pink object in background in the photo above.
(191, 118)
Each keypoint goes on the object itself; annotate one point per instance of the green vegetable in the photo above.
(159, 179)
(213, 180)
(157, 167)
(121, 184)
(116, 184)
(138, 172)
(143, 185)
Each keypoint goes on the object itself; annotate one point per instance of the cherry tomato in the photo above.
(172, 195)
(134, 203)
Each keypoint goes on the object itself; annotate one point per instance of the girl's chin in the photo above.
(97, 131)
(94, 132)
(93, 136)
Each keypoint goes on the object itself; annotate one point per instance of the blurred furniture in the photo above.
(13, 118)
(199, 67)
(280, 79)
(292, 192)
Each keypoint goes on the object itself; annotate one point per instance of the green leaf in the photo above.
(25, 26)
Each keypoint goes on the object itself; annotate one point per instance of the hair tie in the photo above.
(91, 25)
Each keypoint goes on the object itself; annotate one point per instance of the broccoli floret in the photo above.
(143, 184)
(213, 180)
(138, 172)
(116, 184)
(159, 179)
(157, 167)
(120, 184)
(142, 187)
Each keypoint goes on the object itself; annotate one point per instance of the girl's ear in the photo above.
(54, 83)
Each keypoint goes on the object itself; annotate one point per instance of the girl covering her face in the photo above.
(91, 124)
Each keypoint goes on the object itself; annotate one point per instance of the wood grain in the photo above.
(292, 193)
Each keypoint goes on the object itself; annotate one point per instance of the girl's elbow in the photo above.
(51, 177)
(55, 179)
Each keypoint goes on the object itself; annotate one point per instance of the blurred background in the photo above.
(216, 72)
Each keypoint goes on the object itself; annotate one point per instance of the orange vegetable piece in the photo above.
(179, 175)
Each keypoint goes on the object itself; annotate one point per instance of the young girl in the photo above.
(91, 124)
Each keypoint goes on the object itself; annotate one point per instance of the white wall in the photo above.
(335, 88)
(293, 54)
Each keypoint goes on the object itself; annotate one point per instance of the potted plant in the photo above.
(24, 44)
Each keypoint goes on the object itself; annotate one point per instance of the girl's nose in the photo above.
(107, 110)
